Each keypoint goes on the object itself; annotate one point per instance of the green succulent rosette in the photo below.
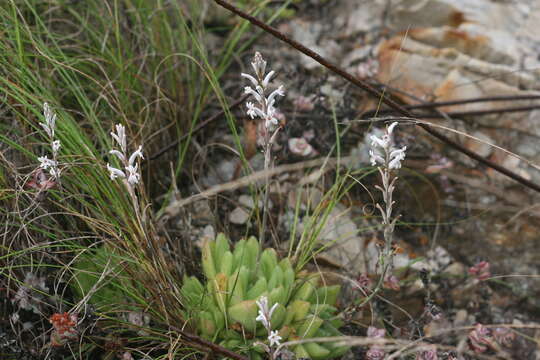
(224, 308)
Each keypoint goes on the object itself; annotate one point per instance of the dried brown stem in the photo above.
(425, 115)
(214, 348)
(473, 100)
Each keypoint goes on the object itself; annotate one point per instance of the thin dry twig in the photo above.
(173, 208)
(426, 115)
(215, 348)
(436, 104)
(474, 100)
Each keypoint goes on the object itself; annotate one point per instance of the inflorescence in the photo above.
(49, 126)
(266, 109)
(131, 166)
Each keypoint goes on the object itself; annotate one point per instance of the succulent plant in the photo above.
(224, 309)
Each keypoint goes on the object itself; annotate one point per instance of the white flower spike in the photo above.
(260, 82)
(265, 314)
(131, 167)
(49, 126)
(387, 158)
(384, 153)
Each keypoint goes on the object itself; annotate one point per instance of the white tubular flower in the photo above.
(263, 320)
(46, 163)
(56, 146)
(134, 176)
(120, 136)
(396, 156)
(398, 153)
(137, 153)
(262, 303)
(271, 124)
(272, 310)
(253, 111)
(375, 158)
(387, 158)
(250, 91)
(264, 313)
(51, 165)
(382, 142)
(48, 130)
(250, 78)
(130, 164)
(274, 338)
(267, 78)
(279, 91)
(115, 173)
(391, 127)
(118, 154)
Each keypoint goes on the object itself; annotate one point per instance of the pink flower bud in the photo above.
(480, 270)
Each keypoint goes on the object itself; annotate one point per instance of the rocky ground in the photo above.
(472, 232)
(466, 268)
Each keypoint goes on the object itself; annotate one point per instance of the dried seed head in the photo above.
(259, 65)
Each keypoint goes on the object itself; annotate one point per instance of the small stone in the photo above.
(401, 261)
(415, 287)
(209, 232)
(456, 269)
(461, 317)
(247, 201)
(346, 247)
(202, 213)
(202, 236)
(239, 216)
(300, 147)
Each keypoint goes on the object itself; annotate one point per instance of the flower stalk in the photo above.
(266, 111)
(264, 317)
(387, 158)
(130, 175)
